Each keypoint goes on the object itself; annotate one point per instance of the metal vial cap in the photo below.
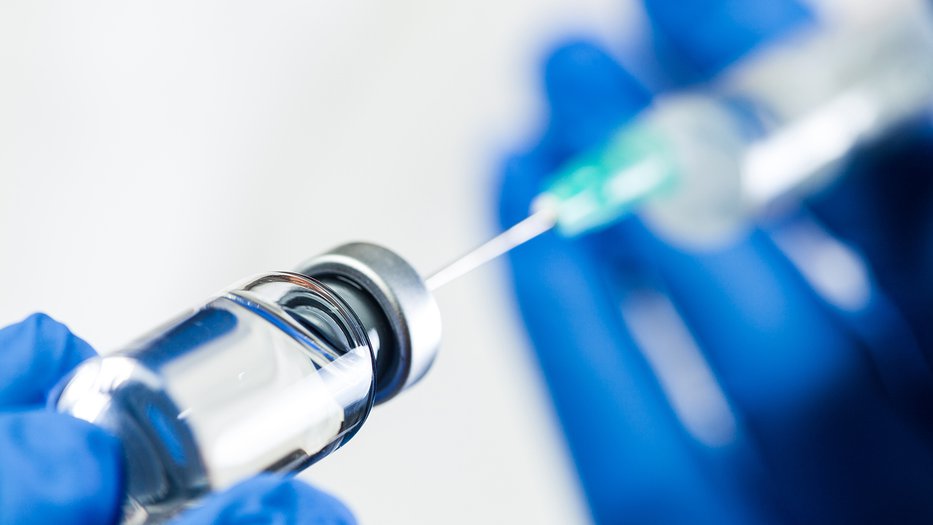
(407, 312)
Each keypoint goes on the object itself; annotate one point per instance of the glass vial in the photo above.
(269, 376)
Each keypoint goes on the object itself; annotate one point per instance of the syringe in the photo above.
(780, 122)
(777, 125)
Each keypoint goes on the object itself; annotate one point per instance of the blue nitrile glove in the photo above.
(55, 469)
(781, 379)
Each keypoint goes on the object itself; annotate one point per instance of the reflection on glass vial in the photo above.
(270, 376)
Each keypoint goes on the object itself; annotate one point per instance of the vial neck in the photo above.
(372, 317)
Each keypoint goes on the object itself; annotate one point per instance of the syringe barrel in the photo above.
(828, 88)
(776, 125)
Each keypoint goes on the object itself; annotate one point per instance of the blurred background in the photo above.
(153, 153)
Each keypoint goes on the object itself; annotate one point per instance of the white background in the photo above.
(152, 153)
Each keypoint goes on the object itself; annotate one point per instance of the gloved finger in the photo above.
(882, 206)
(698, 38)
(634, 459)
(269, 499)
(34, 355)
(801, 383)
(589, 96)
(56, 469)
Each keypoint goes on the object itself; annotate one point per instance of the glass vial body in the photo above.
(269, 376)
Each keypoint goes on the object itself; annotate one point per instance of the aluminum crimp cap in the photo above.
(414, 319)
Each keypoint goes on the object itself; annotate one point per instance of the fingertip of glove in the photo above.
(271, 499)
(58, 467)
(36, 353)
(589, 92)
(705, 36)
(61, 345)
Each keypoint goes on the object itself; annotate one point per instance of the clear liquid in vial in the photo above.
(228, 391)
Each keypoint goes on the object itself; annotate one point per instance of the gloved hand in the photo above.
(56, 469)
(780, 379)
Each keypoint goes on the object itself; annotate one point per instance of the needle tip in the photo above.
(543, 219)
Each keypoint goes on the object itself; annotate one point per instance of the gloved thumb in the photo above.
(56, 469)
